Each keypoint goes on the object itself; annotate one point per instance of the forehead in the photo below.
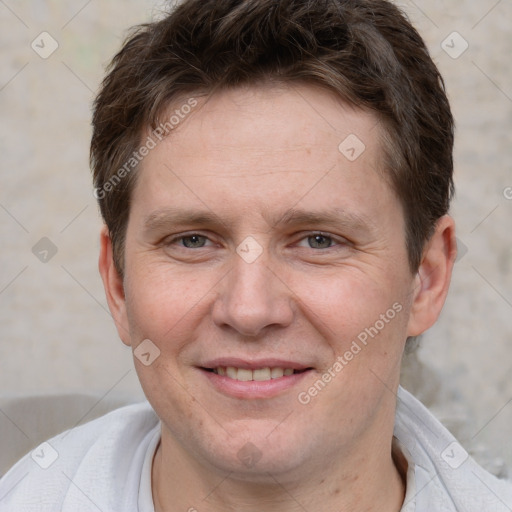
(266, 147)
(275, 119)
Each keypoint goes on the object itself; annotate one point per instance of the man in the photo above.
(275, 178)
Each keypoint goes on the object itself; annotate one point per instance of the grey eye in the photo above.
(319, 241)
(194, 241)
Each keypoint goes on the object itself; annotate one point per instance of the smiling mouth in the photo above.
(258, 374)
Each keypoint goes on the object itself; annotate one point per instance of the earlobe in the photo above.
(433, 278)
(113, 284)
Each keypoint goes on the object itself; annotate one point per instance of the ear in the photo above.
(113, 284)
(433, 278)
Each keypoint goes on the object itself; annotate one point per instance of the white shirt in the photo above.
(105, 466)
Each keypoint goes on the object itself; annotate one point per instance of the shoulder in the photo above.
(99, 455)
(446, 477)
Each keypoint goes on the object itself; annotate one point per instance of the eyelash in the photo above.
(184, 237)
(334, 240)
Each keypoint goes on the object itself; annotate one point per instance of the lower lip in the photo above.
(253, 388)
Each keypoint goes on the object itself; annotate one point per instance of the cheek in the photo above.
(166, 309)
(161, 305)
(343, 305)
(364, 322)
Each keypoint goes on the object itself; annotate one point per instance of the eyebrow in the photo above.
(161, 219)
(336, 217)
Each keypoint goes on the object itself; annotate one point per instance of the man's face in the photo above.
(255, 241)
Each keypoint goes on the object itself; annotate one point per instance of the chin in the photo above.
(265, 471)
(257, 454)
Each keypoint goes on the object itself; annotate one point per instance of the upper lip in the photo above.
(253, 364)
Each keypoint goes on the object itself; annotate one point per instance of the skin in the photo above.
(247, 158)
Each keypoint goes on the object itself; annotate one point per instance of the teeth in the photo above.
(275, 373)
(231, 372)
(244, 375)
(260, 374)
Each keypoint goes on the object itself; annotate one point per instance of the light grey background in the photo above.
(56, 333)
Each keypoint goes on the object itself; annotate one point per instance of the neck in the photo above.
(367, 483)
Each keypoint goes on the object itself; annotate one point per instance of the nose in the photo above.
(252, 298)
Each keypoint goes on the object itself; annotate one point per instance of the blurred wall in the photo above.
(56, 332)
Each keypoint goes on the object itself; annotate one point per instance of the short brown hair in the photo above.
(366, 51)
